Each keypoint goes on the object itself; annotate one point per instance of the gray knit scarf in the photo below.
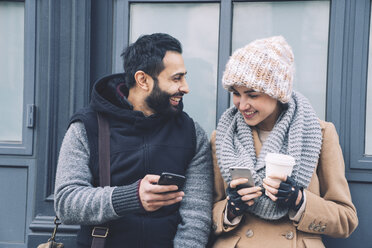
(297, 133)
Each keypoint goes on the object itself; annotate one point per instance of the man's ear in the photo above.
(142, 80)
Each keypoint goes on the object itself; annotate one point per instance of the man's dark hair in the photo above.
(146, 54)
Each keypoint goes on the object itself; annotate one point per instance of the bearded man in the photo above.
(149, 134)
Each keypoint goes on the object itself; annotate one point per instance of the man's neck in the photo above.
(137, 99)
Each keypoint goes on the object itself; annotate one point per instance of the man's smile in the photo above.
(174, 100)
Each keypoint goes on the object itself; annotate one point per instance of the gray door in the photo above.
(17, 164)
(62, 69)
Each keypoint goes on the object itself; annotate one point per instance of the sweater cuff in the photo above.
(125, 199)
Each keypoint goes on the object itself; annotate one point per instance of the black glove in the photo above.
(235, 203)
(288, 193)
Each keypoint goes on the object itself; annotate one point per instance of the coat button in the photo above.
(289, 235)
(311, 226)
(214, 226)
(317, 228)
(249, 233)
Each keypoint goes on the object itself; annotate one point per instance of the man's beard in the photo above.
(159, 101)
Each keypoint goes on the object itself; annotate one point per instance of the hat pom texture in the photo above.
(265, 65)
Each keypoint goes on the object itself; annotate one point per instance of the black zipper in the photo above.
(146, 153)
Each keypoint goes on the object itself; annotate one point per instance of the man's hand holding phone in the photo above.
(168, 178)
(154, 196)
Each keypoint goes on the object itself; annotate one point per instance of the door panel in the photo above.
(13, 184)
(17, 112)
(16, 191)
(17, 49)
(304, 24)
(11, 71)
(196, 26)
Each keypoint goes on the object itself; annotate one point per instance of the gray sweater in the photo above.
(76, 201)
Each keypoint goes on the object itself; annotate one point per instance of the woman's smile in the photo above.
(249, 114)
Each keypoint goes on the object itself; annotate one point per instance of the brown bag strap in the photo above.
(103, 150)
(56, 224)
(100, 233)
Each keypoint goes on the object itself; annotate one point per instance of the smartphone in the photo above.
(168, 178)
(242, 172)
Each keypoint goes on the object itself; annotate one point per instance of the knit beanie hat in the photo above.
(265, 65)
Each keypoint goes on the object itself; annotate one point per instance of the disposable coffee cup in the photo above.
(279, 164)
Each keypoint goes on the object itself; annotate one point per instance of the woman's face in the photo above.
(258, 109)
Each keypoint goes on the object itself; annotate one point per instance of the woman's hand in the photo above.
(284, 190)
(240, 198)
(247, 194)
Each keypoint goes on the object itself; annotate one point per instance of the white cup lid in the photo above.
(280, 158)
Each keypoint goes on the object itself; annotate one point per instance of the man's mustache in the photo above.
(178, 94)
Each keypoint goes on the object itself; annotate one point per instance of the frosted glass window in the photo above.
(368, 140)
(304, 24)
(196, 26)
(11, 71)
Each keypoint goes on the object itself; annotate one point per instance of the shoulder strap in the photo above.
(100, 233)
(103, 150)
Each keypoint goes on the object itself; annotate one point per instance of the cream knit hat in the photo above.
(264, 65)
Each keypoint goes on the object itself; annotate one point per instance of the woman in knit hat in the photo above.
(269, 117)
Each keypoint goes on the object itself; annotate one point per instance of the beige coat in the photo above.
(328, 210)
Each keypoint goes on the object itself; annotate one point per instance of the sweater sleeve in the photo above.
(76, 200)
(196, 206)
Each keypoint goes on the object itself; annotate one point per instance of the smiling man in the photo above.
(149, 134)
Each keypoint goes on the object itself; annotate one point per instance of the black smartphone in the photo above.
(168, 178)
(242, 172)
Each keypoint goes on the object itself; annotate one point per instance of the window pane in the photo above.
(11, 70)
(368, 144)
(304, 24)
(196, 26)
